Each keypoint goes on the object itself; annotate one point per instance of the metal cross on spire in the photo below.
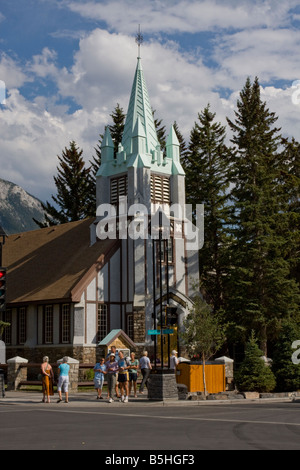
(139, 40)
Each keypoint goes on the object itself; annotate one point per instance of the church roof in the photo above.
(139, 107)
(53, 263)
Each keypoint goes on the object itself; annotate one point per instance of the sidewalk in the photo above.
(88, 399)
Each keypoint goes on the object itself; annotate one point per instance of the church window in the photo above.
(118, 188)
(160, 189)
(48, 324)
(167, 251)
(22, 325)
(65, 323)
(129, 325)
(102, 321)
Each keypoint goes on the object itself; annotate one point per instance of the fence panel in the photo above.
(191, 375)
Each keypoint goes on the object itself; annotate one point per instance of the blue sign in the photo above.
(168, 332)
(157, 332)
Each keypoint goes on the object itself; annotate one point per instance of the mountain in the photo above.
(17, 209)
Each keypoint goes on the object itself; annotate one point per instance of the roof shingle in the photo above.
(47, 264)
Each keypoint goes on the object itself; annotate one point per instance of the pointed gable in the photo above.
(139, 107)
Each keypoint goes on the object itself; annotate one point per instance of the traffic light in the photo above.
(2, 289)
(172, 316)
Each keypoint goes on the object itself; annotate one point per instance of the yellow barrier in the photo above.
(191, 375)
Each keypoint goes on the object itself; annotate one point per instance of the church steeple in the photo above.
(139, 107)
(140, 161)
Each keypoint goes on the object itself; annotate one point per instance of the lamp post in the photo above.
(160, 285)
(2, 241)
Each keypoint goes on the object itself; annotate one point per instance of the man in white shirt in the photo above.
(173, 360)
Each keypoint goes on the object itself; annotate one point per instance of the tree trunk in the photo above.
(204, 382)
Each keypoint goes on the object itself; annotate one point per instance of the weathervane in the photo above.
(139, 40)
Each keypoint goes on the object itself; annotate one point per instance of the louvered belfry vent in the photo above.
(118, 187)
(160, 189)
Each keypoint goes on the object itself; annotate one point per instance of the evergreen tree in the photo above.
(116, 130)
(160, 131)
(254, 375)
(183, 150)
(287, 374)
(207, 183)
(291, 189)
(259, 290)
(75, 189)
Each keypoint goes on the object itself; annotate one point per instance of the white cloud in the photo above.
(267, 53)
(43, 65)
(184, 15)
(11, 72)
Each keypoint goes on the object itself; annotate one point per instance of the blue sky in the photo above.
(67, 63)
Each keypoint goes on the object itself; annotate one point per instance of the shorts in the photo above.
(123, 378)
(63, 382)
(98, 382)
(132, 376)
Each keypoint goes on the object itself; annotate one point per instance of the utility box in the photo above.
(191, 375)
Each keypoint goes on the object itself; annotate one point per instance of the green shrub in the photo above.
(254, 375)
(287, 374)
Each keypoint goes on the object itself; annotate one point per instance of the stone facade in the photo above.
(84, 354)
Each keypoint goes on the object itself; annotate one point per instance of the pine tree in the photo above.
(207, 183)
(254, 375)
(287, 374)
(75, 188)
(290, 181)
(183, 150)
(116, 130)
(259, 290)
(161, 132)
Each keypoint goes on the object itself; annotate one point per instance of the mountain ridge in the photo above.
(18, 208)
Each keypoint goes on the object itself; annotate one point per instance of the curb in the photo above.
(82, 400)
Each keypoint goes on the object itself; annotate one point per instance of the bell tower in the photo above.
(138, 182)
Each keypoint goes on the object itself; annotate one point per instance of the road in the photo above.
(150, 426)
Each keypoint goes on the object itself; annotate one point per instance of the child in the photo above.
(100, 370)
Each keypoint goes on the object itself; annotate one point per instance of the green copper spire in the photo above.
(139, 106)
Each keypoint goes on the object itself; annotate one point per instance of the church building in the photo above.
(69, 285)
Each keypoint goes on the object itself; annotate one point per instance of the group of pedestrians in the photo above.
(121, 374)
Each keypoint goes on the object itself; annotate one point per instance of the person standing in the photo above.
(100, 371)
(63, 380)
(145, 366)
(113, 350)
(133, 373)
(123, 377)
(173, 360)
(111, 376)
(47, 379)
